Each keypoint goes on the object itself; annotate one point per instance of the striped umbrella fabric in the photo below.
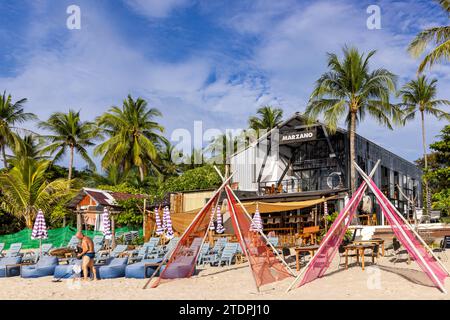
(39, 228)
(159, 228)
(211, 222)
(256, 224)
(106, 224)
(164, 219)
(219, 227)
(169, 230)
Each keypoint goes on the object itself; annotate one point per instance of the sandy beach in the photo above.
(384, 280)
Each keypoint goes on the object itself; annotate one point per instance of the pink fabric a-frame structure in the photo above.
(404, 232)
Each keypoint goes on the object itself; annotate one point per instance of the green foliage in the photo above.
(69, 134)
(330, 220)
(131, 216)
(133, 136)
(439, 174)
(25, 189)
(436, 36)
(200, 178)
(267, 118)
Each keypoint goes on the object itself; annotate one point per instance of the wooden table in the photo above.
(368, 217)
(379, 242)
(311, 249)
(360, 251)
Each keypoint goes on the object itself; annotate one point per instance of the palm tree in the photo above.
(350, 90)
(169, 160)
(10, 115)
(267, 117)
(419, 96)
(71, 134)
(31, 145)
(439, 36)
(25, 189)
(133, 136)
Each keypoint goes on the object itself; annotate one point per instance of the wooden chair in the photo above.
(310, 233)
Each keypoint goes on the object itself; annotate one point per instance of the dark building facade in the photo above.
(305, 161)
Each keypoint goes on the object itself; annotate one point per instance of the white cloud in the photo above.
(94, 68)
(156, 8)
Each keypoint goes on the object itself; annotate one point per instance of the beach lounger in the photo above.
(228, 253)
(98, 239)
(113, 268)
(203, 251)
(73, 243)
(64, 271)
(44, 267)
(138, 255)
(9, 266)
(215, 252)
(104, 255)
(180, 268)
(139, 270)
(14, 250)
(129, 237)
(2, 246)
(33, 256)
(161, 251)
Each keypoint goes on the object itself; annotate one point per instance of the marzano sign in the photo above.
(293, 137)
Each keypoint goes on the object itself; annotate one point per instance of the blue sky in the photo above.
(214, 61)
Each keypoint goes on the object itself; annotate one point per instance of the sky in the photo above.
(210, 61)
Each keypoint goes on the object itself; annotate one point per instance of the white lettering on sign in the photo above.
(297, 136)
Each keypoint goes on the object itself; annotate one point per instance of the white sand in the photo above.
(399, 281)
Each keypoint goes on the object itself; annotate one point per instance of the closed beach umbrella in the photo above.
(169, 230)
(39, 229)
(256, 224)
(219, 227)
(211, 222)
(106, 224)
(159, 228)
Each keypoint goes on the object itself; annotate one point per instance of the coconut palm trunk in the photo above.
(70, 163)
(352, 152)
(69, 177)
(425, 182)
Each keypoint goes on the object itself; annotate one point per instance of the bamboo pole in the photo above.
(233, 216)
(166, 257)
(411, 228)
(336, 223)
(260, 232)
(387, 211)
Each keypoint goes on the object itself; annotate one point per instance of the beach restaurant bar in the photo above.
(310, 163)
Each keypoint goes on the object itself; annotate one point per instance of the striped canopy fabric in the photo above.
(256, 224)
(39, 228)
(159, 228)
(219, 227)
(168, 223)
(211, 220)
(106, 224)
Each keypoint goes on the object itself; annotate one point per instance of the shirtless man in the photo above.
(87, 254)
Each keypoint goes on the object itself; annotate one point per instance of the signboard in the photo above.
(297, 136)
